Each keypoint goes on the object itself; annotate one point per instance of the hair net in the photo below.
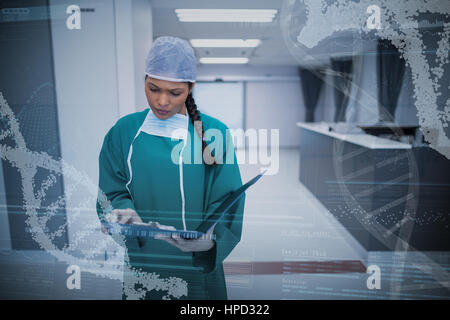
(171, 59)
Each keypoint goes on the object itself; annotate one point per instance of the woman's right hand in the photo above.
(123, 216)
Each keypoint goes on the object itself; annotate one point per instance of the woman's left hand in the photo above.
(204, 243)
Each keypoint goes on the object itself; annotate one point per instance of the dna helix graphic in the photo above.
(80, 250)
(305, 24)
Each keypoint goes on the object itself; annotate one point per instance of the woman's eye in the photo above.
(153, 90)
(176, 94)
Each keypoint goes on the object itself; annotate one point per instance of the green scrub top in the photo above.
(156, 196)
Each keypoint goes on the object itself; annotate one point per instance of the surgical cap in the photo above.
(171, 59)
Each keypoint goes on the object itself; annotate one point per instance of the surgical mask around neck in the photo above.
(174, 127)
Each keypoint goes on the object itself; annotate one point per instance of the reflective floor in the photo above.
(293, 248)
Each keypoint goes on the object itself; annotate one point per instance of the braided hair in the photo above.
(194, 115)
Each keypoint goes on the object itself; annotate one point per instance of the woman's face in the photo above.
(166, 98)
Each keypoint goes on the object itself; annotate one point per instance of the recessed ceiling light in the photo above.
(224, 60)
(226, 15)
(225, 43)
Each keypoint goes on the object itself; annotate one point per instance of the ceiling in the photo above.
(271, 52)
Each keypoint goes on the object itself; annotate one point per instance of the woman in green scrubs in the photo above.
(148, 176)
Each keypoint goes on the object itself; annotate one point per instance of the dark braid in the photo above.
(192, 110)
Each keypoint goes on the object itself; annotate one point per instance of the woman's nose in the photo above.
(163, 99)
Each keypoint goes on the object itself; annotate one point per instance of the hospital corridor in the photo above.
(210, 150)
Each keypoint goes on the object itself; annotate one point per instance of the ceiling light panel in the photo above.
(226, 15)
(225, 43)
(224, 60)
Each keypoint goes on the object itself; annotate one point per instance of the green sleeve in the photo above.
(113, 178)
(224, 179)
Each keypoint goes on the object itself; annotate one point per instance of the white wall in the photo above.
(86, 81)
(275, 105)
(246, 72)
(272, 97)
(222, 100)
(87, 92)
(97, 70)
(142, 42)
(133, 29)
(123, 28)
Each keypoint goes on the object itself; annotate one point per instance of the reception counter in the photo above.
(389, 195)
(358, 138)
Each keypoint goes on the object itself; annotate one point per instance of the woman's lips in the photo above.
(162, 112)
